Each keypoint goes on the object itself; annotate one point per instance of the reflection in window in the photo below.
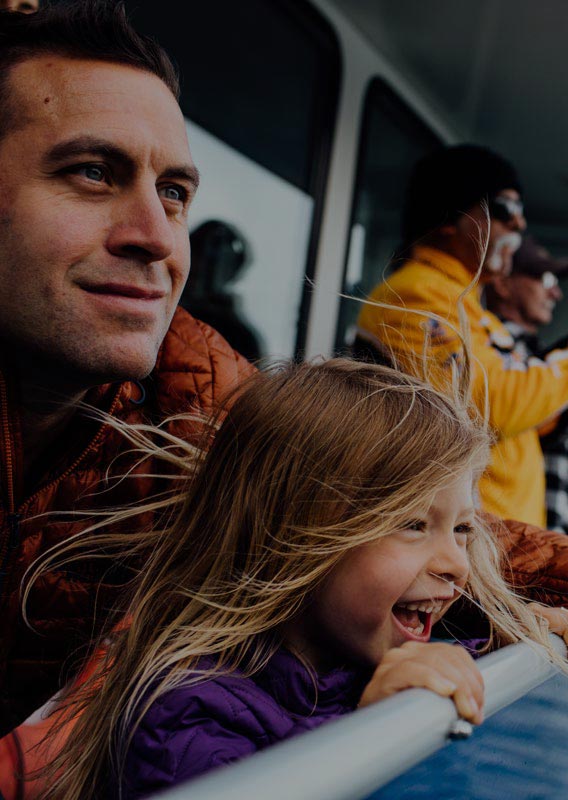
(393, 138)
(219, 255)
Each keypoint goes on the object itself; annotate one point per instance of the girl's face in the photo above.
(383, 594)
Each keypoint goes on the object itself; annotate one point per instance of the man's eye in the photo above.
(92, 172)
(174, 193)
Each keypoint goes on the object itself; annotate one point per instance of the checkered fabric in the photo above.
(554, 446)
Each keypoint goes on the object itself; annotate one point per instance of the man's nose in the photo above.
(556, 293)
(518, 222)
(141, 229)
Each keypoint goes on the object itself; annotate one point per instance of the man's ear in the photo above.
(447, 230)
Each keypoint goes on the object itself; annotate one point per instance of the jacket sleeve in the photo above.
(535, 561)
(192, 749)
(188, 732)
(521, 395)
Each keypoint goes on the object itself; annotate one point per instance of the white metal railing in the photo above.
(349, 758)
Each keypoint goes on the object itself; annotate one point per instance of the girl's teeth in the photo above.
(421, 607)
(418, 631)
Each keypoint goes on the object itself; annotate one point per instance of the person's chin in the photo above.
(127, 358)
(134, 366)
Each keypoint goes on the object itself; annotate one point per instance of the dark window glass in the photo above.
(260, 75)
(393, 138)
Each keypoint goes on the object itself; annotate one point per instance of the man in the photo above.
(96, 183)
(448, 238)
(525, 301)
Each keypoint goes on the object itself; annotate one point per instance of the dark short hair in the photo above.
(89, 29)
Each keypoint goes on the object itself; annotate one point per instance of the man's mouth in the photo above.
(415, 617)
(124, 290)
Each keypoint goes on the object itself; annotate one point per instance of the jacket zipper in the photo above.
(13, 519)
(13, 538)
(14, 516)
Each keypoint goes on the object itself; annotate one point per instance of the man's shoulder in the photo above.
(196, 363)
(190, 342)
(415, 286)
(413, 283)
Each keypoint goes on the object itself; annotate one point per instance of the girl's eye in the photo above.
(465, 528)
(415, 525)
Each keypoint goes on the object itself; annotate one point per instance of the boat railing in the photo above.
(350, 758)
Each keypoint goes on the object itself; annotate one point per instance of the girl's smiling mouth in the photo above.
(414, 618)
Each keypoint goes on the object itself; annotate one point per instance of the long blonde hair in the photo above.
(310, 461)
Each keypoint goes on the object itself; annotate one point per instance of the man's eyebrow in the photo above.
(184, 172)
(87, 145)
(93, 146)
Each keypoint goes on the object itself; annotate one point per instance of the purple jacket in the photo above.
(193, 729)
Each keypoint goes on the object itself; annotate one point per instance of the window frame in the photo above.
(378, 90)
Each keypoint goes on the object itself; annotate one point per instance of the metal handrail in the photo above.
(351, 757)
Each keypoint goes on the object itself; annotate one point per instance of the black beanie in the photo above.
(448, 183)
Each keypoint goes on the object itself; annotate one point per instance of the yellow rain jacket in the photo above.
(522, 395)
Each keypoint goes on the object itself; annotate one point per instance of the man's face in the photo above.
(504, 234)
(95, 186)
(533, 298)
(25, 6)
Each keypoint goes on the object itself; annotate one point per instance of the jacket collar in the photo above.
(113, 399)
(443, 262)
(305, 693)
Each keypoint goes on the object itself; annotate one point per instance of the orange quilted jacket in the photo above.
(195, 368)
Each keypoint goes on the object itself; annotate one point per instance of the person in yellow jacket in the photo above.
(444, 225)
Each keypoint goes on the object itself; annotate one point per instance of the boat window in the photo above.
(260, 83)
(393, 138)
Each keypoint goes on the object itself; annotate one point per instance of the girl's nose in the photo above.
(451, 561)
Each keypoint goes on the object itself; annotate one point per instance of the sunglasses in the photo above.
(505, 209)
(549, 280)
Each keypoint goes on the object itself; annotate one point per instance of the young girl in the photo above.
(331, 524)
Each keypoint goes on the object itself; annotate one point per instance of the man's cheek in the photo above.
(65, 241)
(179, 276)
